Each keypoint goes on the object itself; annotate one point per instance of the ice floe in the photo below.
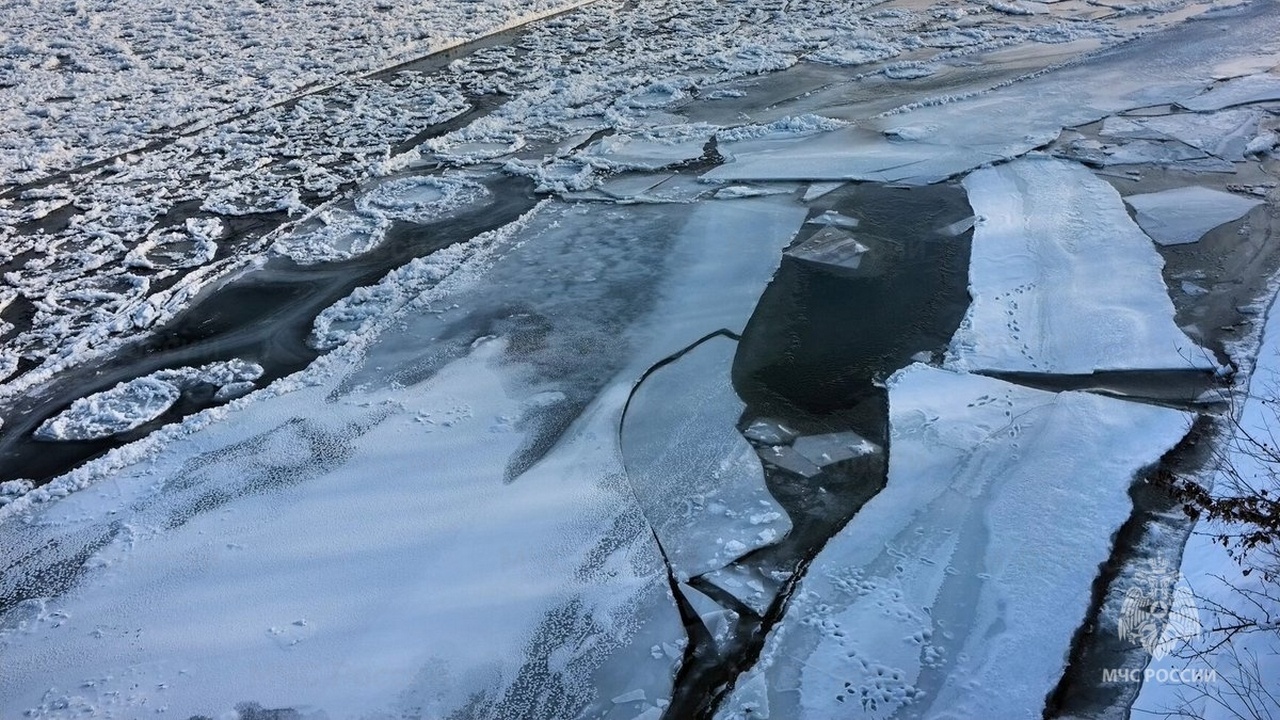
(111, 412)
(1046, 297)
(958, 589)
(698, 479)
(1184, 215)
(1238, 91)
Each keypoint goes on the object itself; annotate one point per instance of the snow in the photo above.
(699, 481)
(950, 594)
(1183, 215)
(1046, 297)
(134, 403)
(111, 412)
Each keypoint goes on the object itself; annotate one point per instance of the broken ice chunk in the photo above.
(786, 458)
(734, 192)
(1184, 215)
(770, 432)
(231, 391)
(698, 480)
(834, 219)
(1240, 91)
(831, 248)
(650, 149)
(958, 227)
(719, 621)
(1223, 134)
(1131, 152)
(823, 450)
(818, 189)
(751, 587)
(126, 406)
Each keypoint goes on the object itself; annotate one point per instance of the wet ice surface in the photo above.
(1046, 297)
(972, 569)
(1184, 215)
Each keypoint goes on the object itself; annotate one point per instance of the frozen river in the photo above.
(653, 360)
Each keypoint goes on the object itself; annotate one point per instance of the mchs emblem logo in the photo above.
(1159, 611)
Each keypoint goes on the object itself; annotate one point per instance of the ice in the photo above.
(749, 586)
(1184, 215)
(928, 142)
(831, 248)
(651, 149)
(834, 219)
(949, 594)
(698, 479)
(1227, 588)
(124, 407)
(786, 458)
(134, 403)
(1238, 91)
(1046, 297)
(770, 432)
(830, 448)
(820, 189)
(1224, 134)
(719, 621)
(442, 583)
(1134, 152)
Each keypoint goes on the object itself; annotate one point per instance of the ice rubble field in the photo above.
(473, 504)
(84, 80)
(78, 248)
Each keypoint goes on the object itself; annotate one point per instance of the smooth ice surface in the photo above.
(111, 412)
(837, 249)
(787, 458)
(1184, 215)
(1046, 294)
(956, 591)
(698, 479)
(829, 448)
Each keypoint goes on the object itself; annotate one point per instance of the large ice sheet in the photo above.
(1047, 293)
(438, 582)
(699, 481)
(1184, 215)
(957, 590)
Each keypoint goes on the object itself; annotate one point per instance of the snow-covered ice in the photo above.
(122, 408)
(1183, 215)
(957, 590)
(698, 479)
(1046, 294)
